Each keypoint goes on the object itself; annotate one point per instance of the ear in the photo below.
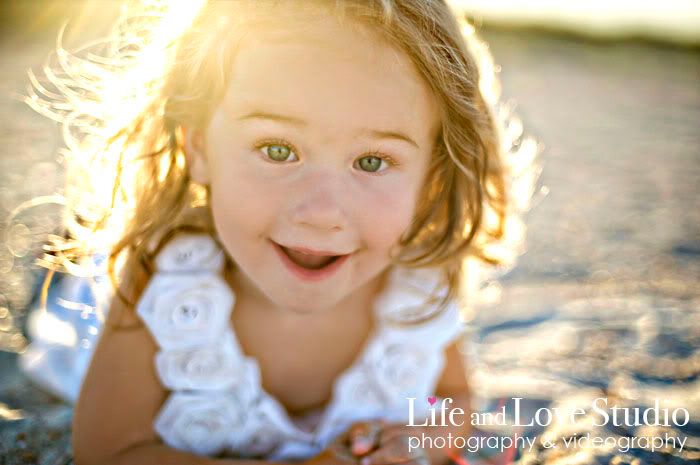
(196, 154)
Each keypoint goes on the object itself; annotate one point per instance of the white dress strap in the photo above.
(187, 307)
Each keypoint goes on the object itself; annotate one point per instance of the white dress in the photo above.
(217, 406)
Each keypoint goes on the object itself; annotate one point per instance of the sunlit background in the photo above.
(605, 301)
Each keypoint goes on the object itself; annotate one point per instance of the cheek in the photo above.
(241, 204)
(387, 215)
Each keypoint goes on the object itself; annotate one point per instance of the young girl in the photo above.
(289, 193)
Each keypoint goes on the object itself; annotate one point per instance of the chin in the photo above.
(306, 305)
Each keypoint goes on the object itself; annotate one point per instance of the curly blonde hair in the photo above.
(123, 103)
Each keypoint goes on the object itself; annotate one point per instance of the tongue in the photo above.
(314, 262)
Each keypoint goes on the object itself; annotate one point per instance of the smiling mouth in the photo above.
(309, 261)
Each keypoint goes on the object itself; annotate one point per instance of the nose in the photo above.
(320, 205)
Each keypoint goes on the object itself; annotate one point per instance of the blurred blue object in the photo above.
(64, 333)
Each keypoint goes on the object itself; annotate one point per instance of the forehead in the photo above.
(332, 73)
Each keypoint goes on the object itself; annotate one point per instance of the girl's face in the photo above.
(322, 142)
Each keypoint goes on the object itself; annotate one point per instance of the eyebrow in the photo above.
(378, 134)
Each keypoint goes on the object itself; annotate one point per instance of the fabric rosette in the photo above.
(403, 370)
(401, 367)
(211, 367)
(408, 290)
(442, 329)
(201, 422)
(262, 436)
(261, 444)
(407, 298)
(190, 252)
(360, 393)
(183, 311)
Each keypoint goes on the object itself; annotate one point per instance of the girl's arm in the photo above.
(120, 394)
(453, 384)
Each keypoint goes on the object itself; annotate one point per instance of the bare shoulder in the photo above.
(121, 393)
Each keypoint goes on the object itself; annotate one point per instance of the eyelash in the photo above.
(371, 153)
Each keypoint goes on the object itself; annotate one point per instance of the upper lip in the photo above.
(306, 250)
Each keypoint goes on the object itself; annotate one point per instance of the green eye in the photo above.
(370, 163)
(278, 152)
